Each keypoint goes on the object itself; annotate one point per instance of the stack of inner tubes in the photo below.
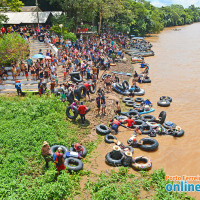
(164, 101)
(124, 89)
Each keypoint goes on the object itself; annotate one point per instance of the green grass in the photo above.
(125, 186)
(25, 124)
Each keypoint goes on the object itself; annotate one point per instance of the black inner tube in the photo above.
(103, 127)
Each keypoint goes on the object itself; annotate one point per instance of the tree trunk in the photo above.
(100, 21)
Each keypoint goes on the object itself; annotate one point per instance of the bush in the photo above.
(69, 36)
(13, 48)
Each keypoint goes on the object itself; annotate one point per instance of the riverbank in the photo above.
(26, 123)
(175, 155)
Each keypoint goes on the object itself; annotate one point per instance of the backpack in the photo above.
(55, 158)
(78, 147)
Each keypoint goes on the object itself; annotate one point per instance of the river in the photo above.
(175, 72)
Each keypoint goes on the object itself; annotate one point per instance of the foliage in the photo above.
(62, 19)
(76, 11)
(44, 5)
(123, 185)
(57, 30)
(13, 48)
(138, 17)
(12, 5)
(70, 36)
(25, 124)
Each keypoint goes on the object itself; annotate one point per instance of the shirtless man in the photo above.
(118, 110)
(107, 81)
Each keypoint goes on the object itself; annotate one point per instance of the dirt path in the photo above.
(97, 163)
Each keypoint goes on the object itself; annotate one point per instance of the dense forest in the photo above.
(138, 17)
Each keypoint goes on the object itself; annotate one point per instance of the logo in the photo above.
(183, 185)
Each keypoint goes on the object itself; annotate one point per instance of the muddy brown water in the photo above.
(175, 72)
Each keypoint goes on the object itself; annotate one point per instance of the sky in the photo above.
(185, 3)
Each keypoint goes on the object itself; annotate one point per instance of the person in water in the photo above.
(130, 122)
(127, 159)
(133, 142)
(114, 125)
(137, 131)
(131, 90)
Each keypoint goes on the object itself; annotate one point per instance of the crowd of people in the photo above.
(86, 57)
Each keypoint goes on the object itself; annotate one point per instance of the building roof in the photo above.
(30, 9)
(28, 17)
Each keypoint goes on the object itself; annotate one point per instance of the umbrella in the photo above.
(48, 57)
(38, 56)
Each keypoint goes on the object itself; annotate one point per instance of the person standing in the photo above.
(46, 153)
(33, 73)
(103, 104)
(14, 72)
(107, 81)
(100, 90)
(118, 110)
(94, 79)
(88, 72)
(82, 110)
(98, 101)
(52, 86)
(87, 85)
(113, 57)
(59, 160)
(98, 68)
(26, 73)
(30, 62)
(18, 87)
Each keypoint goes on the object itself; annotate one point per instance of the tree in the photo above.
(12, 5)
(76, 11)
(106, 9)
(44, 5)
(13, 48)
(123, 20)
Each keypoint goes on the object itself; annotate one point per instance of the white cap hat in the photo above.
(116, 148)
(128, 153)
(59, 148)
(178, 128)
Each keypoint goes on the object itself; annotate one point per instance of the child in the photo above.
(40, 90)
(26, 73)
